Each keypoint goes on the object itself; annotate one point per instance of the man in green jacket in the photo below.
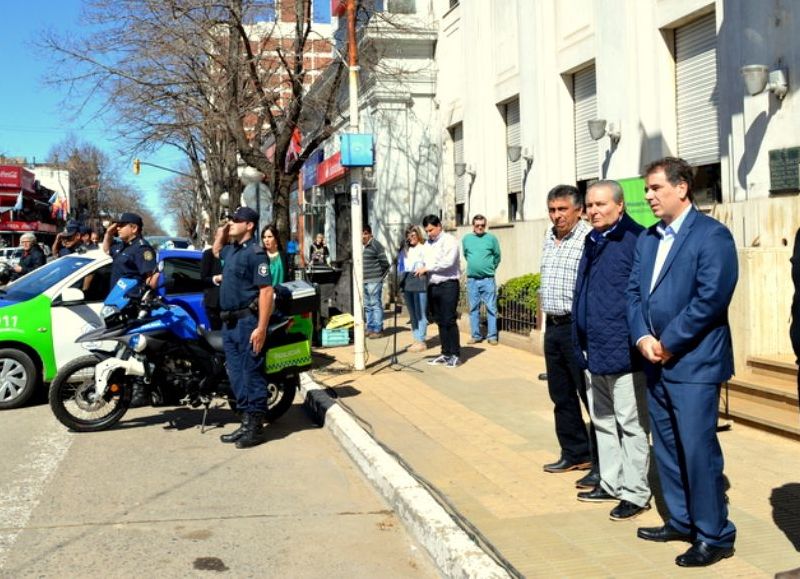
(482, 252)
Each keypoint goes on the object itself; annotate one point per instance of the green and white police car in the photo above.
(42, 313)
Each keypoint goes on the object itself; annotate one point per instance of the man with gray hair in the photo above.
(32, 256)
(616, 383)
(563, 247)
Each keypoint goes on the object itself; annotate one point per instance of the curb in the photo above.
(452, 550)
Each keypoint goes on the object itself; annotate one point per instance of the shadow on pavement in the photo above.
(785, 501)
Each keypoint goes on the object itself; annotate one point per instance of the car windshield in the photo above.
(41, 279)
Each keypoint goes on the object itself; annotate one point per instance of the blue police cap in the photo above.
(130, 218)
(245, 214)
(70, 229)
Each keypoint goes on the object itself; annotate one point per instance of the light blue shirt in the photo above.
(668, 234)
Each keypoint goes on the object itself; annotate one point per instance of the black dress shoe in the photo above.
(590, 481)
(662, 534)
(627, 510)
(702, 554)
(238, 433)
(597, 495)
(565, 465)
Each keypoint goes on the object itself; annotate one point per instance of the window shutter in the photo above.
(584, 90)
(696, 91)
(513, 138)
(458, 157)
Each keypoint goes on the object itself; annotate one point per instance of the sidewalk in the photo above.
(481, 432)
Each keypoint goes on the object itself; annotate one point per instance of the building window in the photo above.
(697, 104)
(584, 94)
(514, 169)
(457, 134)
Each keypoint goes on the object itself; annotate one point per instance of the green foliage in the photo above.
(524, 290)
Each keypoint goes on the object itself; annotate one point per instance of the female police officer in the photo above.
(245, 301)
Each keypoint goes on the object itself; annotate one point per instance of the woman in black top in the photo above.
(209, 267)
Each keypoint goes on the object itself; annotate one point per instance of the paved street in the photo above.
(481, 432)
(155, 498)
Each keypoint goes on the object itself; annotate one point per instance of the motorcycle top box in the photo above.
(295, 297)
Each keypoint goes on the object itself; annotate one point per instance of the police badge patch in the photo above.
(148, 255)
(263, 269)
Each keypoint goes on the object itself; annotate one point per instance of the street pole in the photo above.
(355, 194)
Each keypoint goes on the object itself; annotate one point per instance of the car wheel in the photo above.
(17, 378)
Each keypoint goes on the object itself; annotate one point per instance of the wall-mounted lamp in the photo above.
(758, 77)
(516, 152)
(464, 169)
(597, 130)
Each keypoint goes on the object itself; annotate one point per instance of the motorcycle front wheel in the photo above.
(74, 402)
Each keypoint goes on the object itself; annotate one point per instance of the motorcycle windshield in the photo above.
(122, 292)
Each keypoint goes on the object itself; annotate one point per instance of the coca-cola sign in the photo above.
(16, 178)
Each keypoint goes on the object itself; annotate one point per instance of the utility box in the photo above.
(357, 150)
(296, 297)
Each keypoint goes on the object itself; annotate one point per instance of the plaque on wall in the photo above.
(784, 170)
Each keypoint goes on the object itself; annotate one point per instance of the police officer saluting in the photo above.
(245, 301)
(133, 256)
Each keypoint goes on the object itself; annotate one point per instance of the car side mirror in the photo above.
(71, 295)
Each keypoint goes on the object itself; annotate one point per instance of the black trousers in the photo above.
(567, 388)
(443, 304)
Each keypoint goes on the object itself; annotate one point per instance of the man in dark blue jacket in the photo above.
(603, 348)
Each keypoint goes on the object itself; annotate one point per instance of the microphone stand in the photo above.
(394, 363)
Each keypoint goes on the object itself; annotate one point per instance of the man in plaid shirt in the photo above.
(563, 246)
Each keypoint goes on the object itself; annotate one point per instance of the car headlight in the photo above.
(138, 342)
(108, 311)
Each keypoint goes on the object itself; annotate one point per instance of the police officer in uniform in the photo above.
(133, 258)
(245, 299)
(68, 241)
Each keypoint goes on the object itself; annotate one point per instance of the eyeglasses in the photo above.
(479, 225)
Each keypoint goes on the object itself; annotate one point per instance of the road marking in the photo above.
(22, 488)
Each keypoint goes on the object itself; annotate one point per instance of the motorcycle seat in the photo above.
(213, 338)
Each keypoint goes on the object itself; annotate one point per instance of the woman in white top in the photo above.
(415, 289)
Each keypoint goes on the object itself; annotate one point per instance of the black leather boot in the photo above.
(254, 435)
(239, 432)
(140, 395)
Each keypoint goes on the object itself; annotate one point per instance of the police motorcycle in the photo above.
(162, 348)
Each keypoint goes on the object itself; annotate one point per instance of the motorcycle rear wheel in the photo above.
(280, 395)
(73, 403)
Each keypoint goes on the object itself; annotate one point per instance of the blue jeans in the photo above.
(417, 303)
(483, 291)
(373, 305)
(245, 369)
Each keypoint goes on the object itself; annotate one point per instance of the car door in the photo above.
(74, 319)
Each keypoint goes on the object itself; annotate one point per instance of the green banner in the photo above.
(635, 203)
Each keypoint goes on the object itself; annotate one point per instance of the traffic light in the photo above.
(136, 166)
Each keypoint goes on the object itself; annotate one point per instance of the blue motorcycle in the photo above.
(147, 343)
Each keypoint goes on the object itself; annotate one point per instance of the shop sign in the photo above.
(330, 169)
(27, 226)
(14, 177)
(309, 170)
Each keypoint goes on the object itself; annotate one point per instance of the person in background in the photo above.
(91, 239)
(319, 254)
(68, 241)
(211, 266)
(375, 267)
(96, 238)
(415, 289)
(32, 256)
(277, 259)
(482, 254)
(292, 256)
(443, 268)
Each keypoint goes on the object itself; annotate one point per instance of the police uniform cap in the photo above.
(71, 229)
(245, 214)
(85, 229)
(133, 218)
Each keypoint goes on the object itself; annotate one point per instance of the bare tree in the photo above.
(218, 79)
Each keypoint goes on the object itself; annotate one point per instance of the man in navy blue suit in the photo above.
(683, 276)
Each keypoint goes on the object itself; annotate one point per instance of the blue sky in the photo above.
(32, 114)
